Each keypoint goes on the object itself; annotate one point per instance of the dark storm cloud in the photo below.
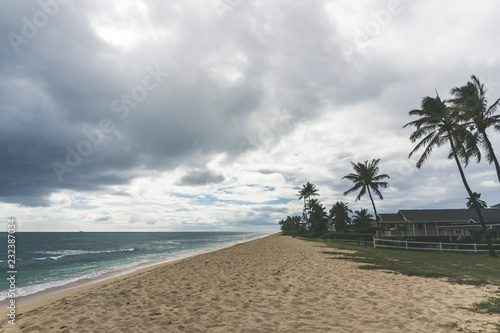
(282, 210)
(200, 177)
(74, 112)
(80, 111)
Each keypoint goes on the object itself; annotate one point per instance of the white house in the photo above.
(455, 224)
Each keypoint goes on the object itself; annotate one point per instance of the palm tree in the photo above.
(470, 101)
(303, 195)
(306, 192)
(477, 197)
(366, 178)
(362, 219)
(437, 125)
(291, 223)
(339, 213)
(317, 216)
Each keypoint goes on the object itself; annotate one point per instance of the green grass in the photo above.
(490, 306)
(453, 267)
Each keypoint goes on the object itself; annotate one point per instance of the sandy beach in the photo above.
(276, 283)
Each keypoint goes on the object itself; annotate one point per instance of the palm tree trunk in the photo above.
(304, 211)
(308, 214)
(375, 210)
(474, 201)
(492, 153)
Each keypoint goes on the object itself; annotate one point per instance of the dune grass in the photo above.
(454, 267)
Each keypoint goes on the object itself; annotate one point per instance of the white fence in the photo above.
(427, 246)
(415, 233)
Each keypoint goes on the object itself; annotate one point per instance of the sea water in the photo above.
(54, 259)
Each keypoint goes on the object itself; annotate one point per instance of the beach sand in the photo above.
(276, 283)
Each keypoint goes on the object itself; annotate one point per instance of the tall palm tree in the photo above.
(303, 195)
(317, 216)
(362, 219)
(306, 192)
(439, 124)
(339, 213)
(471, 103)
(365, 178)
(477, 197)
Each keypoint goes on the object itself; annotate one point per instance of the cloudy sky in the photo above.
(209, 115)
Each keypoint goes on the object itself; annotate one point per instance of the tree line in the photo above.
(314, 216)
(461, 121)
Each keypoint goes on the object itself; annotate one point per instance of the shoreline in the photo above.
(274, 283)
(31, 302)
(121, 272)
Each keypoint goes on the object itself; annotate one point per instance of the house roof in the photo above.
(491, 223)
(437, 215)
(391, 218)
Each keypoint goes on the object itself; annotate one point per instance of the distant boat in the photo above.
(81, 231)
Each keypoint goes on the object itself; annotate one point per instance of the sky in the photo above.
(186, 115)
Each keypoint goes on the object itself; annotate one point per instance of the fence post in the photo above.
(441, 248)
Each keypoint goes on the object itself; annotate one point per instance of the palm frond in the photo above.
(429, 142)
(361, 193)
(493, 107)
(355, 188)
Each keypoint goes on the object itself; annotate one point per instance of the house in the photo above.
(446, 224)
(331, 226)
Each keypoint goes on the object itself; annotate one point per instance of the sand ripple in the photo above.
(271, 284)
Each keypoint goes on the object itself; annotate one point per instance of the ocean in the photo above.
(46, 260)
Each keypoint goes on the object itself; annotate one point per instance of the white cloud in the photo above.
(490, 183)
(256, 103)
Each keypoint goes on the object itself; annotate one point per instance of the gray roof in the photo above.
(437, 215)
(390, 218)
(474, 224)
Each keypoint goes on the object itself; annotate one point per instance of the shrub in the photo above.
(367, 230)
(346, 235)
(292, 233)
(328, 235)
(311, 234)
(493, 241)
(303, 233)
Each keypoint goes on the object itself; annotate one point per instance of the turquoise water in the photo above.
(52, 259)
